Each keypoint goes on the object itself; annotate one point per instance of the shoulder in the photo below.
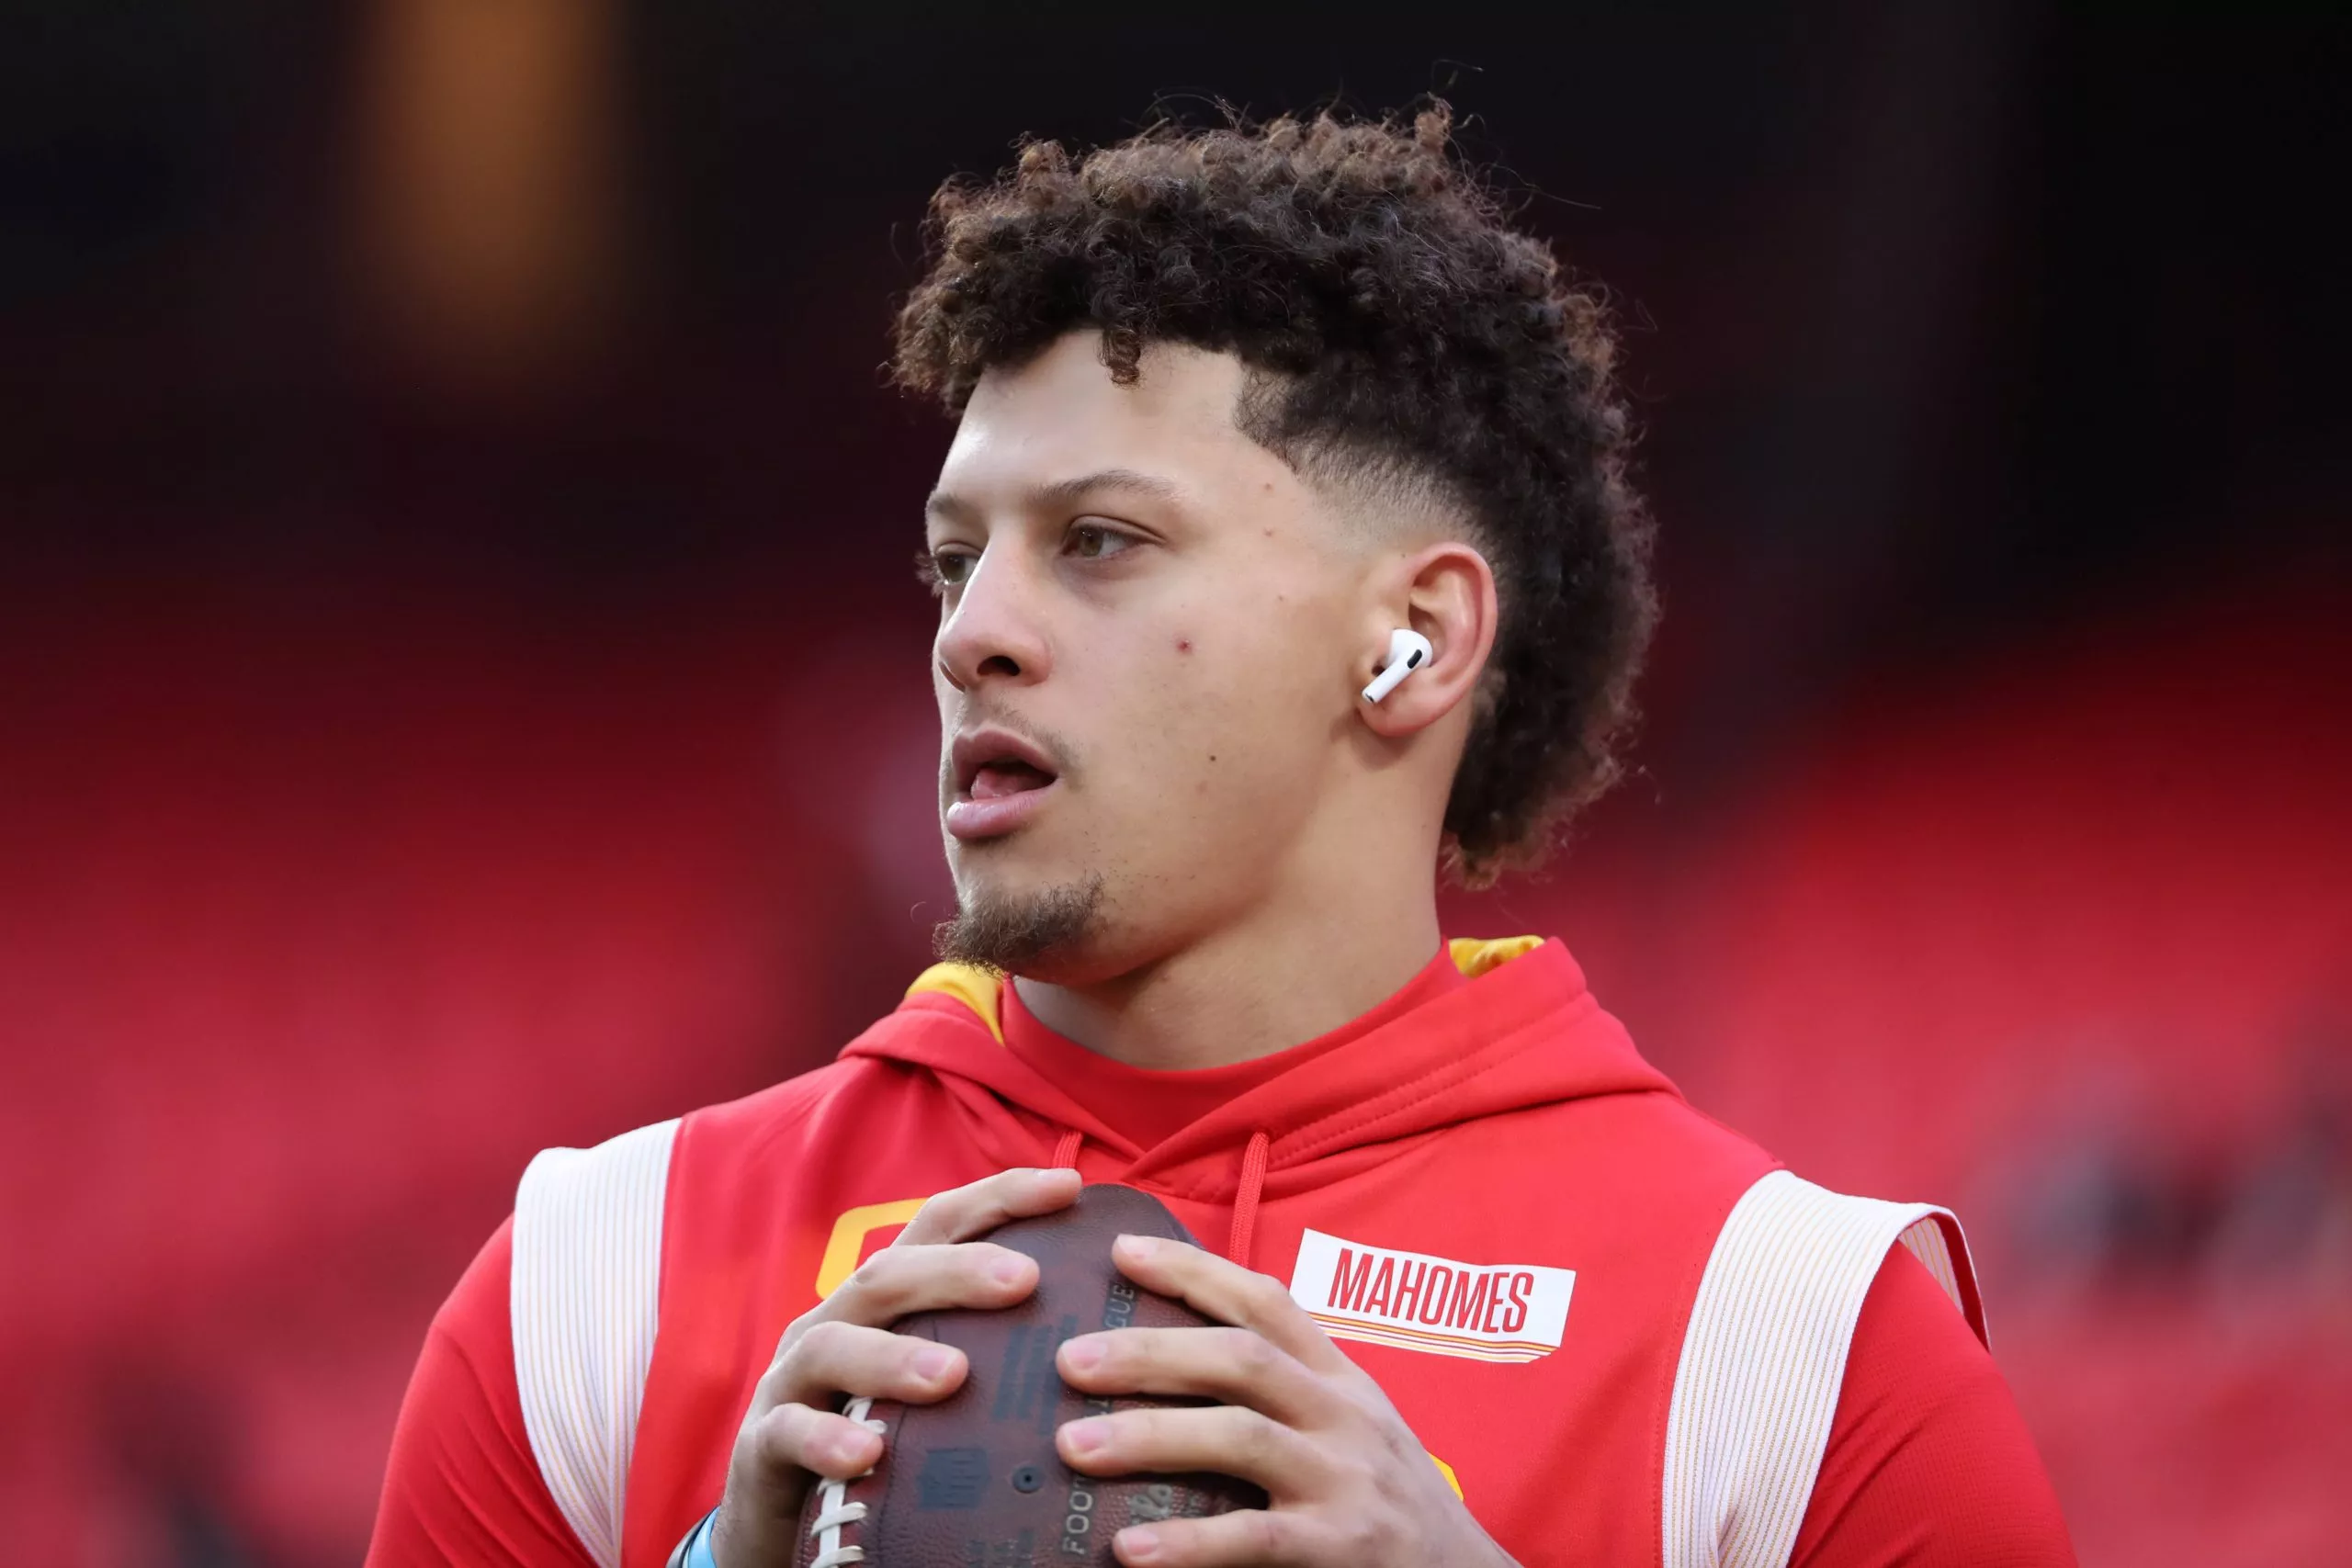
(523, 1403)
(588, 1227)
(461, 1483)
(1928, 1460)
(577, 1205)
(584, 1296)
(584, 1303)
(1765, 1351)
(1789, 1239)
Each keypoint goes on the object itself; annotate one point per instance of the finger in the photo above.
(1229, 1293)
(795, 1437)
(966, 1211)
(837, 1357)
(1246, 1535)
(1232, 1366)
(1221, 1437)
(901, 1279)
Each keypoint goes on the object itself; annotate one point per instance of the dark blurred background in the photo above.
(461, 690)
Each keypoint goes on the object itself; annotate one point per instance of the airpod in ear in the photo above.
(1408, 652)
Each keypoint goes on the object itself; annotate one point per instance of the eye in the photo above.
(947, 567)
(1096, 541)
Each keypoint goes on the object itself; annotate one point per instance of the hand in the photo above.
(790, 1436)
(1347, 1483)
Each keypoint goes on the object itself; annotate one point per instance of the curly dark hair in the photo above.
(1399, 330)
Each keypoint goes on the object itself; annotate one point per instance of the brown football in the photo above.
(974, 1482)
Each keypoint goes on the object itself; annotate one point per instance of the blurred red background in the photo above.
(460, 691)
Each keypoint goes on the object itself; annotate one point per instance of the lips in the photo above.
(1001, 780)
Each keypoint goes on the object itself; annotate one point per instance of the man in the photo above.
(1236, 407)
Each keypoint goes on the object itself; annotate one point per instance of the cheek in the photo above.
(1220, 704)
(1231, 711)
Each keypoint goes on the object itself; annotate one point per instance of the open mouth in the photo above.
(1000, 780)
(1007, 777)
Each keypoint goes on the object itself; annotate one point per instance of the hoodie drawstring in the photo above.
(1245, 1199)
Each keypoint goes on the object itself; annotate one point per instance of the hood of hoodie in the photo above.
(1526, 1032)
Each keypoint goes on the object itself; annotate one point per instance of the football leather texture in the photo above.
(974, 1482)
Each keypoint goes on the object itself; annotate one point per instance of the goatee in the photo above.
(1010, 934)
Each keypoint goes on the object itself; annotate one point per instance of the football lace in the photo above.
(834, 1510)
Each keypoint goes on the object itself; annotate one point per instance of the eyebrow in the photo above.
(1063, 492)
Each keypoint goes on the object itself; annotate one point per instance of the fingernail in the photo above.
(931, 1365)
(1138, 1545)
(1009, 1271)
(1083, 1354)
(1085, 1436)
(1140, 1246)
(849, 1448)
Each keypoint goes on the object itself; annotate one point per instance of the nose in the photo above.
(996, 632)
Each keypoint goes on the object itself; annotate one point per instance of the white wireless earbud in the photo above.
(1408, 652)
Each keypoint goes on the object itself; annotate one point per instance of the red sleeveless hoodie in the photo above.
(1623, 1331)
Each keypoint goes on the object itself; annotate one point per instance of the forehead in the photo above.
(1060, 413)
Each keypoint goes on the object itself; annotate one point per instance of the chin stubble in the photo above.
(1010, 934)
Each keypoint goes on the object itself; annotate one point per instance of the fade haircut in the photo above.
(1399, 332)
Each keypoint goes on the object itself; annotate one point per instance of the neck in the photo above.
(1275, 980)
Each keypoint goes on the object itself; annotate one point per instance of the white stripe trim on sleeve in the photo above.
(1762, 1359)
(585, 1302)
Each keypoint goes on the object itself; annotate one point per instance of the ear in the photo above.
(1446, 592)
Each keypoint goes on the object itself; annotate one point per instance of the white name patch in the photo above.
(1486, 1311)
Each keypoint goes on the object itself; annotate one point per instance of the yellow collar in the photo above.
(982, 990)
